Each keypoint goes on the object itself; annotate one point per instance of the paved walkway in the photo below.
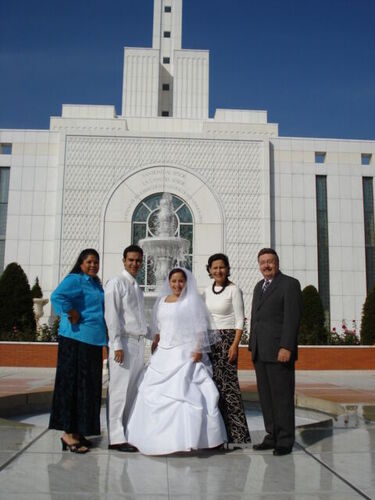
(334, 462)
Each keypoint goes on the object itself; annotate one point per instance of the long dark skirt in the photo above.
(226, 380)
(78, 388)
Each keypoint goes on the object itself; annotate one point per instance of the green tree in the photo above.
(312, 330)
(36, 291)
(17, 320)
(368, 319)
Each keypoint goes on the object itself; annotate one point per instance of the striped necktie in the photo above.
(266, 284)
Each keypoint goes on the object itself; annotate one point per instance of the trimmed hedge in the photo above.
(17, 320)
(312, 330)
(368, 320)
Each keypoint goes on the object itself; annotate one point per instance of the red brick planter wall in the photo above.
(31, 354)
(39, 354)
(324, 358)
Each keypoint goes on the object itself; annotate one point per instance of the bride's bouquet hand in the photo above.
(197, 356)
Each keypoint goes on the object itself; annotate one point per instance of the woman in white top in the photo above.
(176, 408)
(225, 303)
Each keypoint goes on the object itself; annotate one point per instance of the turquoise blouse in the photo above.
(86, 295)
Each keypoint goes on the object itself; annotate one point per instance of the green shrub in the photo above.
(368, 319)
(312, 330)
(49, 333)
(17, 320)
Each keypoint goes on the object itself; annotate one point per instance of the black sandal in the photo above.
(84, 441)
(74, 448)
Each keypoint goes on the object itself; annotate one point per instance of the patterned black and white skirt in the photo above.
(226, 380)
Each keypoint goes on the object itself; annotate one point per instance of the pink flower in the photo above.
(334, 330)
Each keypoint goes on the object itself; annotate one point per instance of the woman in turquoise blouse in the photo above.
(79, 301)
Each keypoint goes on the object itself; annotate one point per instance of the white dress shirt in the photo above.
(226, 308)
(124, 309)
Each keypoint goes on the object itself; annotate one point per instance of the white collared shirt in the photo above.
(124, 309)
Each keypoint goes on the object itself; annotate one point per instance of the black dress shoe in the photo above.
(278, 452)
(125, 447)
(263, 446)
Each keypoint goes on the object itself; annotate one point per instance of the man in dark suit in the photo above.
(275, 319)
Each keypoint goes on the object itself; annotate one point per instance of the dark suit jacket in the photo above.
(275, 318)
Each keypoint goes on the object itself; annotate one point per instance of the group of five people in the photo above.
(188, 397)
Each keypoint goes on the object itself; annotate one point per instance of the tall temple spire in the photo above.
(167, 18)
(166, 80)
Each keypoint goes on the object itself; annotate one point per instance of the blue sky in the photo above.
(309, 63)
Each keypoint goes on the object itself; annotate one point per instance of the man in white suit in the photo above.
(126, 323)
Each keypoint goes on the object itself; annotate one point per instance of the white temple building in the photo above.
(94, 179)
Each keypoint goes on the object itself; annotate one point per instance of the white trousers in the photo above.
(123, 386)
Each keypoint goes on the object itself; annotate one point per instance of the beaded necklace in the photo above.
(226, 283)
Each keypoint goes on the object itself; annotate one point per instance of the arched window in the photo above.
(143, 225)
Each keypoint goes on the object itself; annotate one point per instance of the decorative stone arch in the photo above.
(208, 216)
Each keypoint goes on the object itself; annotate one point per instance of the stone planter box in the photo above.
(324, 358)
(44, 354)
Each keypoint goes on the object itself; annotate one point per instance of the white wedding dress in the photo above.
(176, 408)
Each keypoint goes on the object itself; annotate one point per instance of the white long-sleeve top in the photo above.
(124, 309)
(226, 308)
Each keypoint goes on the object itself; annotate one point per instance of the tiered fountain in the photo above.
(165, 249)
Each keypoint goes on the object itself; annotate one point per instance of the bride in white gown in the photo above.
(176, 408)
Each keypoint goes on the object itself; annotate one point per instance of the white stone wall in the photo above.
(31, 238)
(295, 230)
(140, 82)
(191, 80)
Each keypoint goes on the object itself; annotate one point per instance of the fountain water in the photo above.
(165, 249)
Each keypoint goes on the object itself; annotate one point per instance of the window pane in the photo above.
(153, 201)
(177, 202)
(2, 251)
(320, 157)
(187, 232)
(5, 149)
(151, 280)
(369, 223)
(4, 184)
(188, 262)
(3, 218)
(139, 232)
(365, 159)
(323, 248)
(184, 214)
(141, 213)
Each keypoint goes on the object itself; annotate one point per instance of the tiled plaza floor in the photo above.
(327, 462)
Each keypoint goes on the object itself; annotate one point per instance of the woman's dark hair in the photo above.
(177, 270)
(132, 248)
(218, 256)
(83, 256)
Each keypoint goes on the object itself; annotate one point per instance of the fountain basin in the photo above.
(165, 246)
